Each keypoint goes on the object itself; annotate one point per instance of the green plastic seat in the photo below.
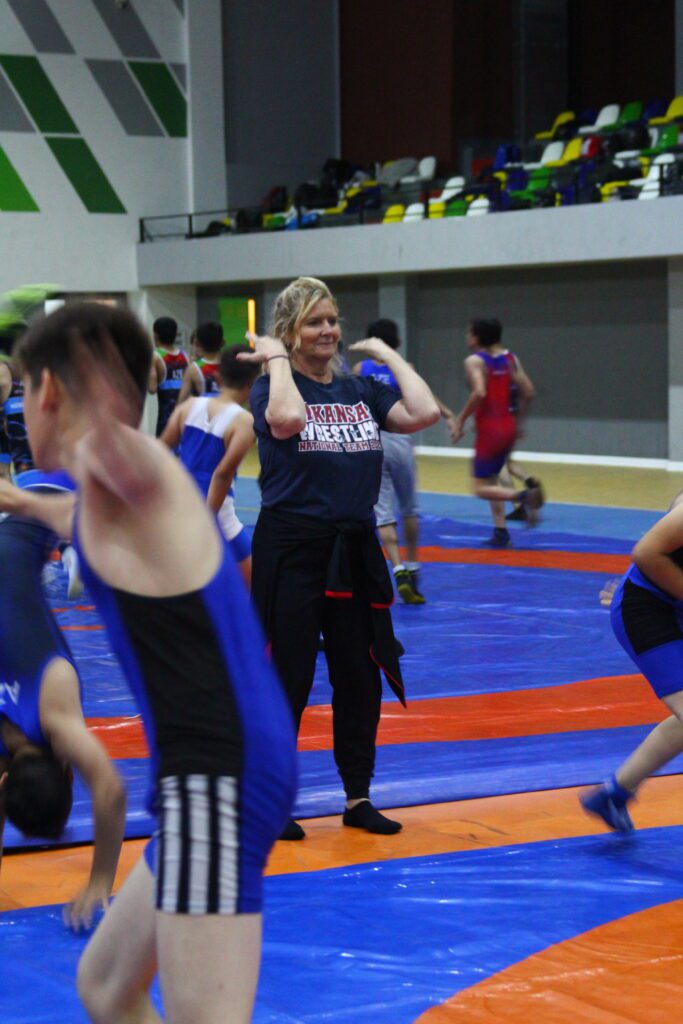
(668, 138)
(456, 208)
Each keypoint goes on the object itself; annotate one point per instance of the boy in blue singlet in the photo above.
(219, 730)
(43, 736)
(647, 619)
(215, 432)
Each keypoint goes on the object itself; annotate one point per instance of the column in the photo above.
(207, 170)
(676, 362)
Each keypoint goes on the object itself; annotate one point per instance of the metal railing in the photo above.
(566, 186)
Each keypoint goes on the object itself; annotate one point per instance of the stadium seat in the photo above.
(426, 169)
(607, 118)
(572, 151)
(631, 112)
(630, 154)
(591, 147)
(479, 206)
(436, 209)
(651, 182)
(394, 214)
(552, 152)
(674, 112)
(416, 211)
(539, 181)
(451, 188)
(565, 118)
(667, 138)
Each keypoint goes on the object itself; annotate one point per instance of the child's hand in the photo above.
(607, 592)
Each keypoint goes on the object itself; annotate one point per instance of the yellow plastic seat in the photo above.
(609, 188)
(437, 209)
(564, 118)
(394, 214)
(572, 151)
(674, 111)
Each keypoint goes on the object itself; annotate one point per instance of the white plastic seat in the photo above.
(552, 152)
(608, 115)
(652, 184)
(478, 207)
(415, 211)
(426, 169)
(451, 188)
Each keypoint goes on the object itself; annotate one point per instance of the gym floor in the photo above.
(500, 900)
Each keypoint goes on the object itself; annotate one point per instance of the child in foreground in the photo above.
(217, 723)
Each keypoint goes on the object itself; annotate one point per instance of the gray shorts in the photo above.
(399, 480)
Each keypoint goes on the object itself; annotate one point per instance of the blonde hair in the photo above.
(293, 305)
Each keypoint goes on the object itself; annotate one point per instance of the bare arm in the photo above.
(5, 381)
(286, 410)
(71, 741)
(417, 408)
(476, 378)
(173, 431)
(652, 553)
(239, 439)
(193, 383)
(157, 374)
(526, 390)
(54, 511)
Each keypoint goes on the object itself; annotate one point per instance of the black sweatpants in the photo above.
(298, 611)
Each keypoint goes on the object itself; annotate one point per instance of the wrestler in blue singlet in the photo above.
(29, 635)
(648, 623)
(220, 736)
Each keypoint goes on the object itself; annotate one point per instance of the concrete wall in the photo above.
(593, 339)
(104, 88)
(281, 93)
(619, 231)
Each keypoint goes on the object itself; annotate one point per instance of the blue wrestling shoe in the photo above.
(601, 804)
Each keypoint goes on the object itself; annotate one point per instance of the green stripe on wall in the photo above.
(14, 196)
(38, 94)
(86, 175)
(163, 92)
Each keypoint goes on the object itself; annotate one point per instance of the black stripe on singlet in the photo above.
(184, 877)
(215, 849)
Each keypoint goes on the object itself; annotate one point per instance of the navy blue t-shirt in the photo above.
(332, 469)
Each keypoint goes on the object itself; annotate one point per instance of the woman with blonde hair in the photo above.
(317, 563)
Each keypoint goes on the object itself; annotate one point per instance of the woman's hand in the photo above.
(264, 348)
(375, 348)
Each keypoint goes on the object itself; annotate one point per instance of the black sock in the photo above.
(292, 830)
(364, 815)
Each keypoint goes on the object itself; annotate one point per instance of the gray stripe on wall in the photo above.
(180, 71)
(126, 100)
(12, 116)
(41, 26)
(130, 34)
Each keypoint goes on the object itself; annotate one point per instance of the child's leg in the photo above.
(658, 748)
(117, 967)
(208, 966)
